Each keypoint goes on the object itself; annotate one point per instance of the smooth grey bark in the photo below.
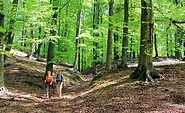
(178, 43)
(125, 36)
(110, 33)
(37, 51)
(155, 45)
(76, 64)
(145, 70)
(51, 47)
(2, 85)
(30, 54)
(10, 35)
(96, 35)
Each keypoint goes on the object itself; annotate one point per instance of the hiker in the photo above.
(48, 81)
(59, 82)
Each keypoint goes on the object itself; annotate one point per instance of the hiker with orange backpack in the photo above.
(48, 81)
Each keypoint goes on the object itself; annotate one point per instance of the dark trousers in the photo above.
(48, 90)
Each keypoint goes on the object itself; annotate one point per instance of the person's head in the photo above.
(49, 72)
(59, 71)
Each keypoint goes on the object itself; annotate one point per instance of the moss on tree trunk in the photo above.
(145, 70)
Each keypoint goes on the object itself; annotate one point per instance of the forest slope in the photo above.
(113, 93)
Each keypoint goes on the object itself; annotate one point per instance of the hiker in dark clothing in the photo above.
(59, 82)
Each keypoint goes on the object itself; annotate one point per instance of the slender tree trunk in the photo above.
(44, 46)
(10, 35)
(96, 35)
(155, 44)
(145, 70)
(2, 85)
(59, 31)
(178, 43)
(131, 49)
(110, 32)
(134, 54)
(102, 35)
(116, 36)
(178, 38)
(184, 51)
(171, 41)
(50, 55)
(125, 36)
(66, 22)
(23, 44)
(116, 39)
(65, 34)
(77, 52)
(37, 52)
(30, 54)
(79, 57)
(167, 45)
(83, 56)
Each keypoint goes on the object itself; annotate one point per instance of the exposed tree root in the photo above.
(145, 74)
(3, 89)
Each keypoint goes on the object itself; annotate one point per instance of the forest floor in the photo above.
(115, 93)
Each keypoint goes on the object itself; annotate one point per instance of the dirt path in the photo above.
(114, 94)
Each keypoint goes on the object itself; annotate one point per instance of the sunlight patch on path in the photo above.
(13, 95)
(161, 63)
(73, 96)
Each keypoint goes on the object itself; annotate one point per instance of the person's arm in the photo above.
(51, 80)
(54, 78)
(63, 79)
(45, 79)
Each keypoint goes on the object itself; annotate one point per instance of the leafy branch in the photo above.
(172, 21)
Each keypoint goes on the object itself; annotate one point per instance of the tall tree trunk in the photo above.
(77, 50)
(44, 46)
(50, 55)
(116, 36)
(102, 35)
(116, 39)
(23, 44)
(110, 32)
(10, 35)
(30, 54)
(171, 41)
(178, 43)
(2, 85)
(65, 34)
(184, 50)
(83, 56)
(131, 49)
(66, 22)
(155, 44)
(125, 36)
(37, 52)
(59, 31)
(96, 35)
(145, 70)
(167, 45)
